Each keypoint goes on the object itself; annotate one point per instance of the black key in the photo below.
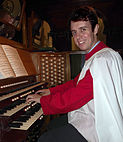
(14, 124)
(23, 118)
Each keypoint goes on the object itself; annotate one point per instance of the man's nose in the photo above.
(78, 35)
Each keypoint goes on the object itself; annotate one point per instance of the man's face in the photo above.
(83, 36)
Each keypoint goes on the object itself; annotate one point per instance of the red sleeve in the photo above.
(73, 98)
(65, 86)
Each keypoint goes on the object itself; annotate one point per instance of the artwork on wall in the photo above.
(11, 12)
(11, 16)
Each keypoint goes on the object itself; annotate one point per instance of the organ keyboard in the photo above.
(15, 114)
(18, 119)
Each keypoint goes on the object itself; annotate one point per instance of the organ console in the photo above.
(19, 121)
(28, 72)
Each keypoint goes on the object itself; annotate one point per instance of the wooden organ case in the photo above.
(44, 69)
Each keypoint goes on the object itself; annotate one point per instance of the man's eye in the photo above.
(82, 30)
(73, 33)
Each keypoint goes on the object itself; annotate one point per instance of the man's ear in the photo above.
(96, 29)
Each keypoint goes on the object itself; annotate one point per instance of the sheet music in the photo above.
(5, 68)
(15, 60)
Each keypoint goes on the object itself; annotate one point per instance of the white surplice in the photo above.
(101, 119)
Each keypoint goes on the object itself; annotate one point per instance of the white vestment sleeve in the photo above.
(107, 72)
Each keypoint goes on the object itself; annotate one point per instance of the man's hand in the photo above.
(37, 96)
(32, 98)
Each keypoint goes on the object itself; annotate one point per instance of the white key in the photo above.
(14, 110)
(32, 119)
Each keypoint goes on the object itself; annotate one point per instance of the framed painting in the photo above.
(11, 12)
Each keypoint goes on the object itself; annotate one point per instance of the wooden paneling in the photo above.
(11, 43)
(27, 61)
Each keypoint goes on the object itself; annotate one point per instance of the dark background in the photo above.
(57, 12)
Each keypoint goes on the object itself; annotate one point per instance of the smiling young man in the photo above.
(94, 98)
(83, 35)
